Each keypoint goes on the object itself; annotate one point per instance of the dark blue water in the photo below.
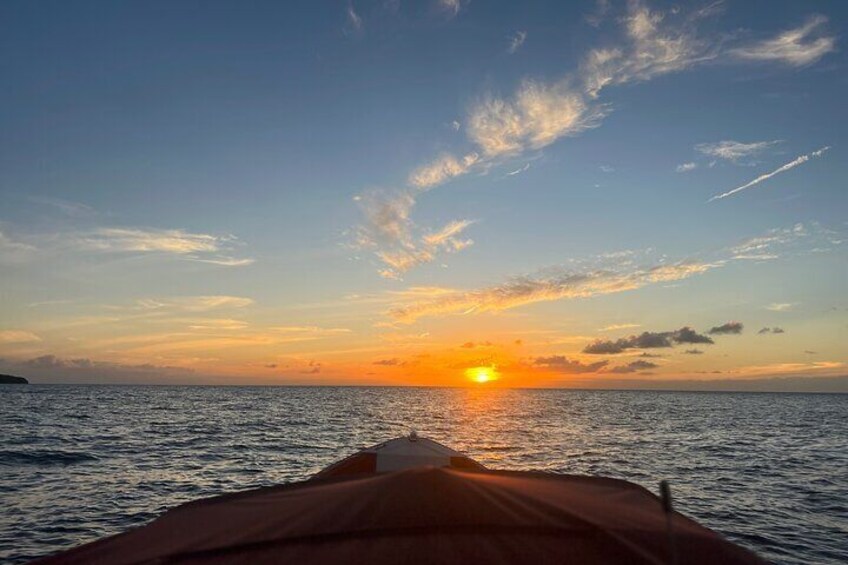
(769, 471)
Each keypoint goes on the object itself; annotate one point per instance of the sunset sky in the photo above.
(556, 194)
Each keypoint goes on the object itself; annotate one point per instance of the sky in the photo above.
(595, 194)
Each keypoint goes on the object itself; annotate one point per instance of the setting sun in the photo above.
(481, 375)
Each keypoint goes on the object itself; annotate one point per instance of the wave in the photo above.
(45, 457)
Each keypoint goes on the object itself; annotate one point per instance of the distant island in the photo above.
(10, 380)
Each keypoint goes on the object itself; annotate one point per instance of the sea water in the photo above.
(768, 471)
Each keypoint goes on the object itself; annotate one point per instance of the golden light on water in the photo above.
(481, 375)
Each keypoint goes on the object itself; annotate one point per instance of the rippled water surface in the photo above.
(769, 471)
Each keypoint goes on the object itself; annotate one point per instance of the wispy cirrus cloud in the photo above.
(686, 167)
(353, 21)
(67, 207)
(396, 240)
(18, 336)
(443, 168)
(519, 170)
(734, 151)
(798, 47)
(13, 250)
(766, 246)
(606, 274)
(310, 330)
(537, 114)
(654, 46)
(204, 248)
(614, 327)
(447, 236)
(516, 40)
(167, 241)
(558, 284)
(780, 306)
(790, 165)
(450, 8)
(192, 303)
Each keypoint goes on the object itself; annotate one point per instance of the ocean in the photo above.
(768, 471)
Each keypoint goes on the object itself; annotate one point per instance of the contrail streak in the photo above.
(761, 178)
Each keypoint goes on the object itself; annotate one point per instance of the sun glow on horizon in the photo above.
(481, 375)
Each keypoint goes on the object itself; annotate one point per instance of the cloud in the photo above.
(767, 246)
(646, 340)
(516, 41)
(688, 335)
(353, 22)
(556, 284)
(518, 171)
(780, 306)
(686, 167)
(215, 324)
(18, 336)
(538, 113)
(166, 241)
(472, 345)
(655, 47)
(446, 237)
(733, 151)
(562, 364)
(407, 256)
(310, 329)
(396, 241)
(313, 369)
(727, 328)
(194, 303)
(536, 116)
(443, 168)
(595, 18)
(796, 47)
(774, 330)
(51, 368)
(450, 8)
(393, 362)
(792, 164)
(14, 251)
(693, 352)
(634, 366)
(224, 261)
(192, 246)
(614, 327)
(74, 209)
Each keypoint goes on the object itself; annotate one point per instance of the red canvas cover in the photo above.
(423, 515)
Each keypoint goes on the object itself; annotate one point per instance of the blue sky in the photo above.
(178, 182)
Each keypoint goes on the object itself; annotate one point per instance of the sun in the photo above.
(481, 375)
